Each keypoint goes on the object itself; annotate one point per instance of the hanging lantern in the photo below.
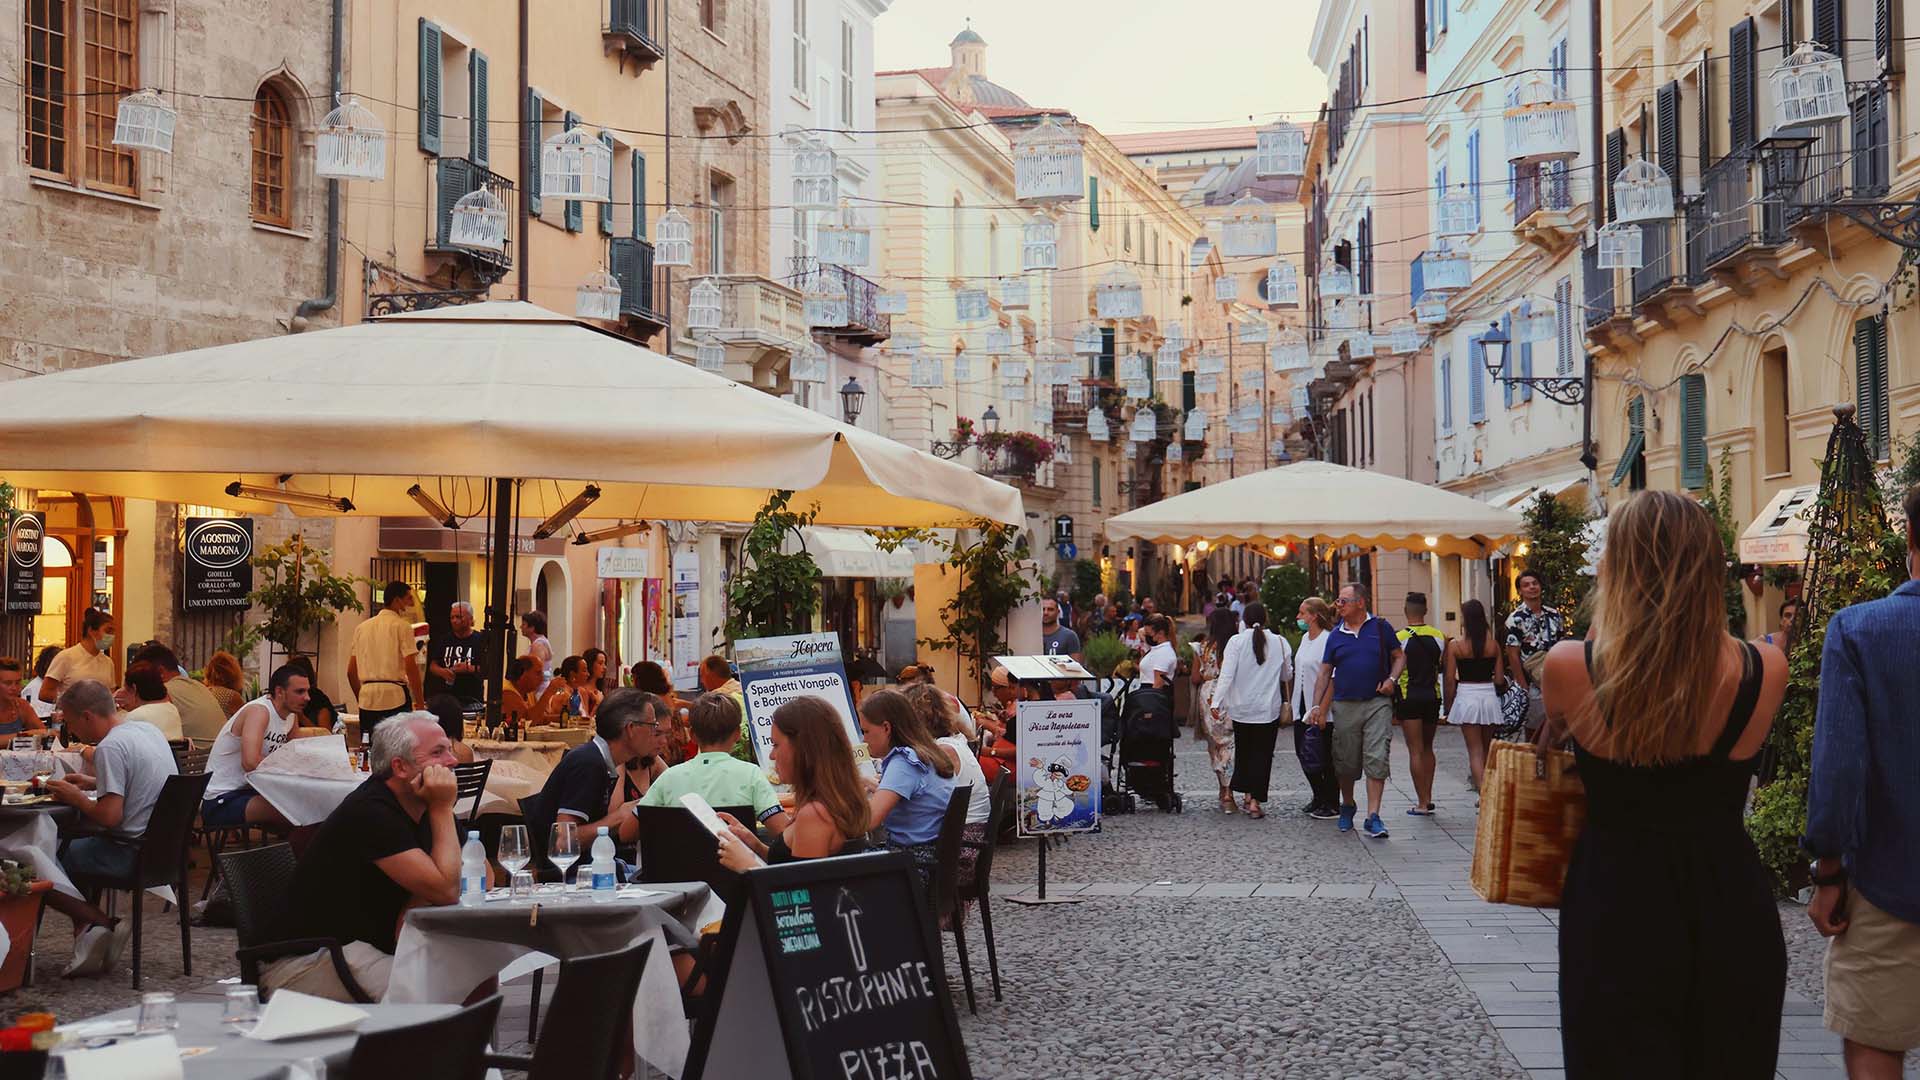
(1403, 340)
(1808, 87)
(1290, 352)
(144, 122)
(1119, 297)
(970, 305)
(1048, 166)
(1226, 289)
(598, 297)
(1540, 123)
(1620, 247)
(1430, 309)
(478, 223)
(962, 368)
(1097, 425)
(1039, 244)
(703, 305)
(350, 145)
(1642, 192)
(1176, 452)
(710, 356)
(1280, 151)
(1253, 332)
(1196, 426)
(816, 183)
(845, 241)
(1446, 270)
(1457, 213)
(1249, 230)
(923, 373)
(1283, 284)
(1536, 322)
(576, 166)
(824, 300)
(1014, 293)
(673, 240)
(890, 302)
(999, 341)
(1336, 281)
(1146, 427)
(1087, 340)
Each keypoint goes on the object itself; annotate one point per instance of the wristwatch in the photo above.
(1838, 877)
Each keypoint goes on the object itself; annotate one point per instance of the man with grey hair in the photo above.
(391, 845)
(457, 658)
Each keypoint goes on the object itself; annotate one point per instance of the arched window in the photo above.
(272, 158)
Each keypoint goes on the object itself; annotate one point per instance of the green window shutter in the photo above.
(530, 154)
(1187, 399)
(1693, 431)
(1093, 203)
(455, 180)
(429, 87)
(575, 209)
(477, 80)
(1870, 382)
(606, 208)
(1637, 416)
(639, 195)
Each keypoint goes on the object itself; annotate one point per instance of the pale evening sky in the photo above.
(1126, 65)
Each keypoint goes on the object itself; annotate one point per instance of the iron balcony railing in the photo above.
(453, 178)
(1728, 221)
(864, 321)
(1541, 187)
(1599, 286)
(1663, 260)
(1832, 161)
(634, 24)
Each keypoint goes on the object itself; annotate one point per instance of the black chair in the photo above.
(192, 760)
(469, 781)
(1001, 796)
(259, 881)
(451, 1048)
(674, 846)
(946, 879)
(586, 1029)
(161, 860)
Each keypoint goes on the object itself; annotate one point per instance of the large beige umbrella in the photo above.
(1325, 503)
(454, 397)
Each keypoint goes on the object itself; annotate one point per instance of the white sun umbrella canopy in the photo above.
(350, 145)
(1325, 503)
(522, 393)
(576, 166)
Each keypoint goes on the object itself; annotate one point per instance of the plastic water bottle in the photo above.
(601, 867)
(473, 872)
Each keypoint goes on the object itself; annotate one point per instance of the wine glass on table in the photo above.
(514, 854)
(563, 850)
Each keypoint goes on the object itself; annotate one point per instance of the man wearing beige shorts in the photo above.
(1863, 823)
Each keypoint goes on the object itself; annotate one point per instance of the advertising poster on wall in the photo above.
(219, 563)
(686, 620)
(1059, 767)
(775, 670)
(24, 551)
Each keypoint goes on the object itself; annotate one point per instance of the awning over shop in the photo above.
(852, 553)
(1779, 534)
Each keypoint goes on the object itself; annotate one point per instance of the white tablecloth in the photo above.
(539, 755)
(35, 840)
(21, 764)
(307, 800)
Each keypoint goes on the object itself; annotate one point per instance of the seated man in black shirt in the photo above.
(580, 788)
(391, 845)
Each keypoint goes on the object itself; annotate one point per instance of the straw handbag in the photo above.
(1532, 808)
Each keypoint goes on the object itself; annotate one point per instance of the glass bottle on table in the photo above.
(563, 850)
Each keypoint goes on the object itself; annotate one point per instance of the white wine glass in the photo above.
(514, 854)
(563, 850)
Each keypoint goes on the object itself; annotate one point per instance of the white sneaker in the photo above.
(117, 939)
(90, 952)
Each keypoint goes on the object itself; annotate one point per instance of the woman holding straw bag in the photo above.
(1671, 956)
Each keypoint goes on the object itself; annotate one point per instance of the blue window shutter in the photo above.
(1526, 367)
(639, 195)
(1473, 170)
(575, 209)
(1476, 381)
(606, 208)
(1446, 392)
(429, 87)
(477, 93)
(1693, 431)
(530, 157)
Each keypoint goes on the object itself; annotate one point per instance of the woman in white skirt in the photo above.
(1474, 666)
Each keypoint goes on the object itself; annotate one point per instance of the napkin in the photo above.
(157, 1058)
(323, 756)
(292, 1015)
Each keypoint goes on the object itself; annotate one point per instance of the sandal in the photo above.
(1226, 804)
(1254, 811)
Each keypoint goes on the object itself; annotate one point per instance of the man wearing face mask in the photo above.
(383, 667)
(89, 658)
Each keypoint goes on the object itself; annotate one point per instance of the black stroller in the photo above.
(1147, 733)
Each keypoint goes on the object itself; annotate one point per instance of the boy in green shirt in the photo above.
(714, 773)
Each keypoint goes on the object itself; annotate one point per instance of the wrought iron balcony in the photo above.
(394, 303)
(865, 325)
(1600, 288)
(633, 29)
(451, 179)
(1834, 161)
(1664, 258)
(632, 262)
(1725, 220)
(1540, 188)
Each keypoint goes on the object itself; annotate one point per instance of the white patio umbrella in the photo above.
(1325, 503)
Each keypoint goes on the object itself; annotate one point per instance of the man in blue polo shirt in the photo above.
(1366, 660)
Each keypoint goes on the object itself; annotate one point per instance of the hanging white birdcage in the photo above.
(1087, 340)
(816, 182)
(1403, 340)
(1281, 416)
(1446, 270)
(1013, 391)
(1457, 213)
(704, 302)
(1254, 378)
(997, 341)
(1176, 452)
(890, 302)
(970, 305)
(710, 356)
(1206, 384)
(1139, 389)
(844, 240)
(1210, 363)
(1043, 413)
(1620, 247)
(1166, 366)
(576, 166)
(1249, 230)
(598, 297)
(673, 240)
(1015, 293)
(1039, 244)
(1642, 192)
(1015, 371)
(1342, 315)
(1196, 426)
(478, 223)
(1537, 322)
(1289, 352)
(809, 364)
(904, 340)
(1048, 164)
(1360, 344)
(350, 145)
(1223, 452)
(1280, 150)
(1252, 332)
(1299, 399)
(1809, 86)
(1283, 284)
(144, 122)
(1119, 296)
(923, 373)
(1226, 289)
(1134, 366)
(824, 300)
(962, 367)
(1336, 281)
(1430, 309)
(1097, 425)
(1145, 428)
(1541, 123)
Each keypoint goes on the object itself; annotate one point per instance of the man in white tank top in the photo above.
(262, 726)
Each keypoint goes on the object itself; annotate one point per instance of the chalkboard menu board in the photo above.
(838, 958)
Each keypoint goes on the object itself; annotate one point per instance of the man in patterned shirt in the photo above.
(1532, 629)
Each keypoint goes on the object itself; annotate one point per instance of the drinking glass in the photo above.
(563, 851)
(514, 854)
(520, 886)
(158, 1012)
(243, 1005)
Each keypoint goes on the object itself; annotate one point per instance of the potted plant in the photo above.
(21, 894)
(896, 590)
(299, 592)
(963, 430)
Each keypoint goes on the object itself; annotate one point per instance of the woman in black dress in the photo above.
(1671, 957)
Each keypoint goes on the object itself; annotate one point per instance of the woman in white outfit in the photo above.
(1251, 691)
(1474, 669)
(1315, 618)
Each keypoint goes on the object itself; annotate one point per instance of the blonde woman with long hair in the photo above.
(1671, 956)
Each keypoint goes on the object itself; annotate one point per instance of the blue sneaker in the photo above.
(1374, 827)
(1346, 816)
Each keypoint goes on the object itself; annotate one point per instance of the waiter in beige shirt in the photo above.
(382, 667)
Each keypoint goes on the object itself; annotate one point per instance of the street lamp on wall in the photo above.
(991, 419)
(853, 397)
(1564, 389)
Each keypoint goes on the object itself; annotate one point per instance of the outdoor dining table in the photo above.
(232, 1056)
(445, 952)
(23, 764)
(307, 778)
(541, 755)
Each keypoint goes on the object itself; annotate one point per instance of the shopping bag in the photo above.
(1533, 805)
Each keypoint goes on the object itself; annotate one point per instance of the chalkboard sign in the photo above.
(219, 553)
(839, 957)
(26, 538)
